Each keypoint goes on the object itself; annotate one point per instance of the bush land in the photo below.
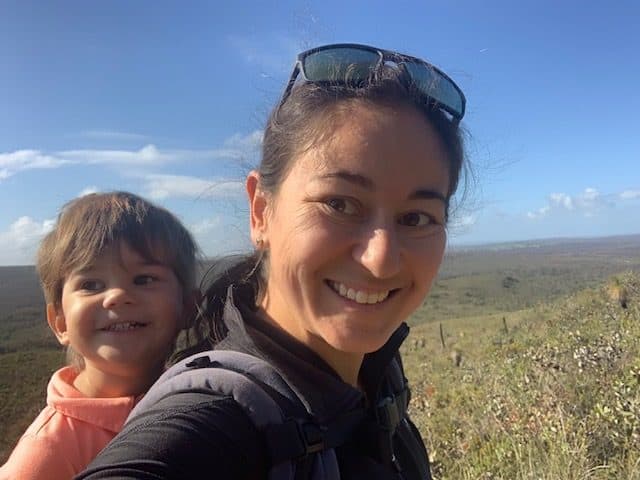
(554, 395)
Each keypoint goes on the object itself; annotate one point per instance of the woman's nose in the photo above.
(379, 252)
(117, 296)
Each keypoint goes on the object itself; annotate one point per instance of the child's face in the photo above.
(121, 315)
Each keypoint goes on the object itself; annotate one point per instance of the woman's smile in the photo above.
(357, 295)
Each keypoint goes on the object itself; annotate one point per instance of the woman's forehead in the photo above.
(377, 147)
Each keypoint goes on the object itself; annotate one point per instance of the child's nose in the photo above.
(117, 296)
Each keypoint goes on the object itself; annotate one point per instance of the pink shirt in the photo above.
(67, 434)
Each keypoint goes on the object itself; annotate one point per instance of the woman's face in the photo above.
(355, 233)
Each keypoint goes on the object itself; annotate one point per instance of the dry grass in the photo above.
(555, 395)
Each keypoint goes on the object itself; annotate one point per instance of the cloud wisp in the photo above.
(238, 147)
(159, 187)
(147, 155)
(587, 203)
(113, 135)
(14, 162)
(629, 194)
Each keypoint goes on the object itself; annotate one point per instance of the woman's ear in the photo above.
(57, 323)
(258, 203)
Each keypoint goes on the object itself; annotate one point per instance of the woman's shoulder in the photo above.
(187, 431)
(193, 408)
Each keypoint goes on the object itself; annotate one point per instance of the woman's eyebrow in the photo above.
(367, 183)
(427, 194)
(351, 177)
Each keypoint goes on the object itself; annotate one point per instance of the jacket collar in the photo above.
(325, 392)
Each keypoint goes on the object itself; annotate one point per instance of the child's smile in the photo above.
(121, 315)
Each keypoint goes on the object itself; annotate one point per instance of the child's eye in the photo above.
(343, 205)
(416, 219)
(144, 279)
(91, 285)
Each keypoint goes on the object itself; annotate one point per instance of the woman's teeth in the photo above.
(359, 296)
(121, 327)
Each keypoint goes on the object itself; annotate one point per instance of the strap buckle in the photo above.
(388, 414)
(312, 436)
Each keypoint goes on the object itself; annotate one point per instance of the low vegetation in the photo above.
(552, 392)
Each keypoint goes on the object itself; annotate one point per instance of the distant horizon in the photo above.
(549, 239)
(451, 248)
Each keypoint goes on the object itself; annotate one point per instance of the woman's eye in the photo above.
(343, 205)
(415, 219)
(144, 279)
(91, 285)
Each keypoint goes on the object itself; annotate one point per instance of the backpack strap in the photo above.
(298, 446)
(296, 438)
(408, 453)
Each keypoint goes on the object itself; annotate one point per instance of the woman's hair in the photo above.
(307, 118)
(88, 225)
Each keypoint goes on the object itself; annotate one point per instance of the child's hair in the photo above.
(88, 225)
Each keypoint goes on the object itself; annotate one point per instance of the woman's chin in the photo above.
(356, 341)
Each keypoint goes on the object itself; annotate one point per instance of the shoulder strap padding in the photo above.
(261, 392)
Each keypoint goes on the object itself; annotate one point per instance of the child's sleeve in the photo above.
(36, 458)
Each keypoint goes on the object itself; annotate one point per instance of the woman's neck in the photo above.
(345, 364)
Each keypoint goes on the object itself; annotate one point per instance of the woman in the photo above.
(348, 210)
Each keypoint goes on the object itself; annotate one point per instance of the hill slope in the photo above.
(551, 393)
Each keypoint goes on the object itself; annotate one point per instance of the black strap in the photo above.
(411, 452)
(296, 438)
(391, 410)
(381, 361)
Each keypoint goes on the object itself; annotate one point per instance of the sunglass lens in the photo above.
(343, 65)
(431, 83)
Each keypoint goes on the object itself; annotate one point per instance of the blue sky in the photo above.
(168, 100)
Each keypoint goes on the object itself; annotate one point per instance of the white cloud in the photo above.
(19, 243)
(462, 222)
(15, 162)
(561, 199)
(219, 236)
(21, 160)
(148, 155)
(163, 186)
(205, 226)
(541, 212)
(587, 203)
(235, 148)
(630, 194)
(250, 141)
(590, 194)
(240, 147)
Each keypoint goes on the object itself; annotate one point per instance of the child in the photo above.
(118, 274)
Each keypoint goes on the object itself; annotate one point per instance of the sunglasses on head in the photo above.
(356, 65)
